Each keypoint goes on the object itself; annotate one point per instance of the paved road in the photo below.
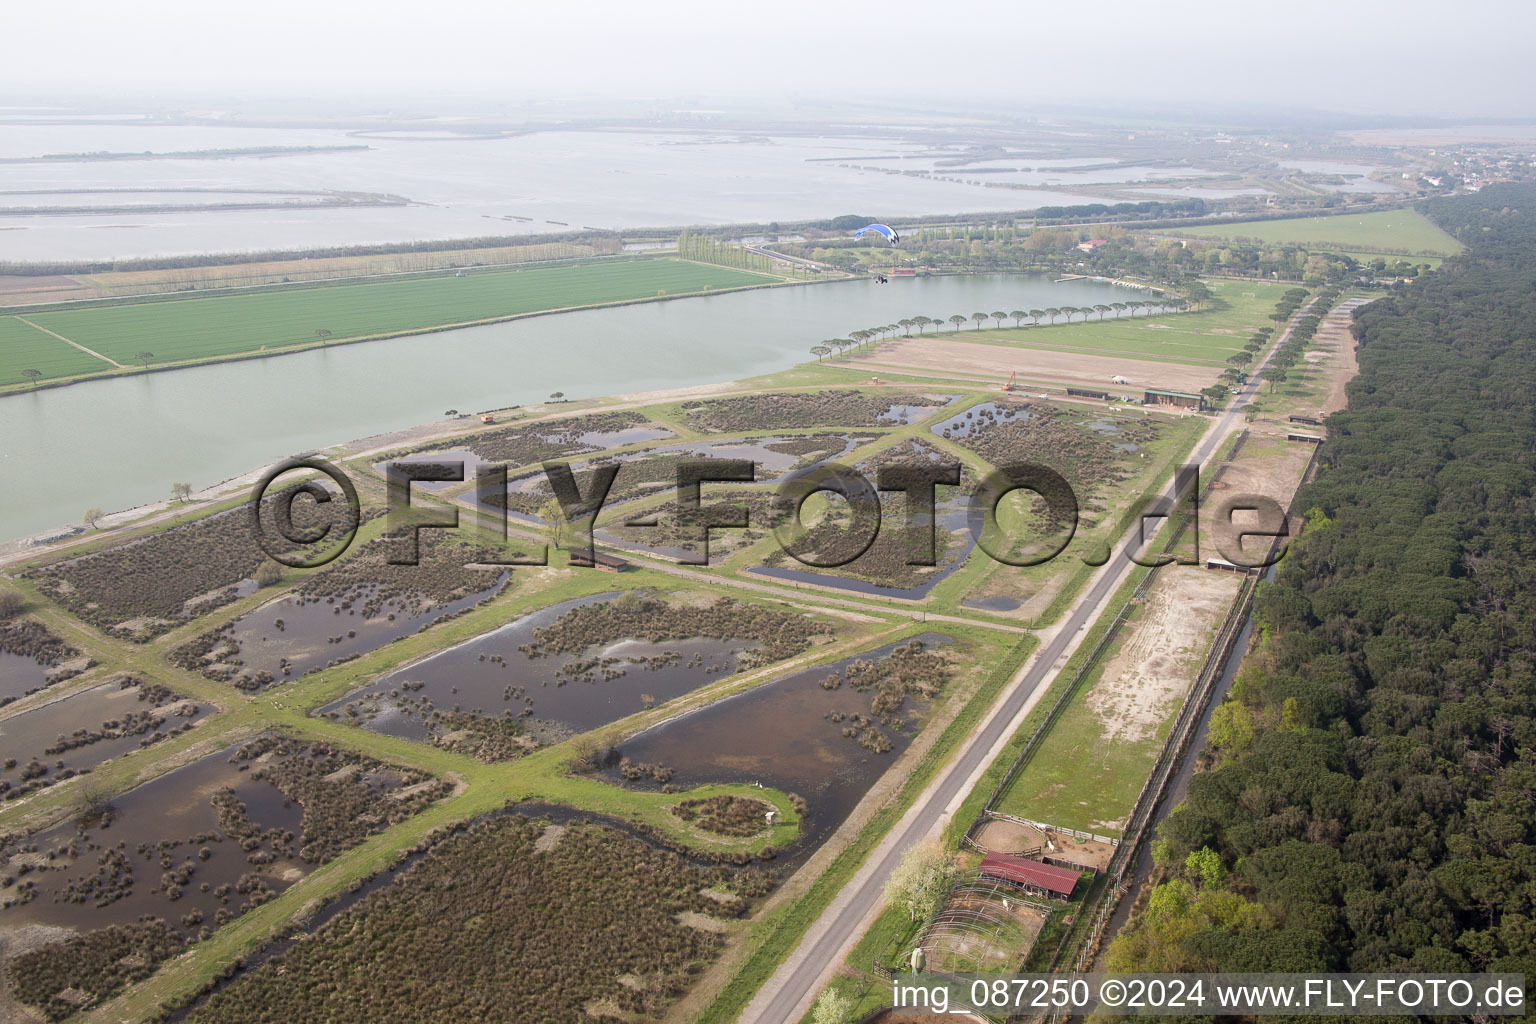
(787, 996)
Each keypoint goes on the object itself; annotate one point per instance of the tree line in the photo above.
(1370, 803)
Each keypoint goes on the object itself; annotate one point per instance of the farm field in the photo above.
(991, 363)
(1401, 231)
(24, 347)
(1204, 337)
(1181, 351)
(1090, 767)
(205, 328)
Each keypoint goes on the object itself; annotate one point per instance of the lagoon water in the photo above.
(462, 187)
(120, 442)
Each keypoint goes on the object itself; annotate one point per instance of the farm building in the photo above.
(1031, 875)
(588, 559)
(1177, 399)
(1304, 438)
(1311, 421)
(1225, 566)
(1088, 393)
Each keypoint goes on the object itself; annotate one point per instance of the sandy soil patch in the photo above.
(1085, 854)
(600, 1008)
(703, 922)
(407, 792)
(1267, 466)
(1155, 667)
(1343, 366)
(549, 838)
(944, 356)
(1000, 836)
(346, 773)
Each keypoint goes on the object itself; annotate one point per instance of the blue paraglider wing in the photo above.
(879, 229)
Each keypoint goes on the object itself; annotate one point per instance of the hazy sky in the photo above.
(1466, 59)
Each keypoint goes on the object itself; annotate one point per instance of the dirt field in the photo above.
(1082, 853)
(1153, 669)
(23, 291)
(947, 356)
(1000, 836)
(1267, 465)
(1334, 339)
(19, 291)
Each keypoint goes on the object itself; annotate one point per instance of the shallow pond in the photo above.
(166, 849)
(20, 674)
(992, 604)
(781, 734)
(315, 633)
(552, 695)
(113, 712)
(162, 818)
(977, 417)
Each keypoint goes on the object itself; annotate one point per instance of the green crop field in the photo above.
(23, 347)
(226, 325)
(1205, 337)
(1401, 231)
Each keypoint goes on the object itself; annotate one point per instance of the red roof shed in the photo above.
(1024, 871)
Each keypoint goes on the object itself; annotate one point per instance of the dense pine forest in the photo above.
(1372, 799)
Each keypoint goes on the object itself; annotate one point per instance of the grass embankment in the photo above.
(185, 331)
(1202, 337)
(1402, 231)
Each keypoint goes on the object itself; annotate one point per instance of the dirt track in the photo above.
(952, 357)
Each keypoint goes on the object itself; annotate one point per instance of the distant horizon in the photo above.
(984, 111)
(1406, 59)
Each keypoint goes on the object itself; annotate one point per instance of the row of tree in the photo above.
(859, 338)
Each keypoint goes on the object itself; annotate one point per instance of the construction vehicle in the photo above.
(486, 417)
(1013, 382)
